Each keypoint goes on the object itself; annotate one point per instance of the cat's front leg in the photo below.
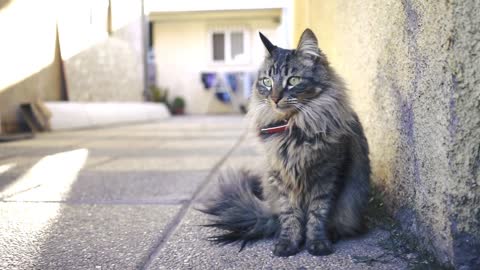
(291, 218)
(291, 230)
(320, 205)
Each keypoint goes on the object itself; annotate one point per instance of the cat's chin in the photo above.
(284, 110)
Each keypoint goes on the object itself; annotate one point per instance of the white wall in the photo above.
(182, 52)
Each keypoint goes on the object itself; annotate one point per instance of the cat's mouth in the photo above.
(284, 108)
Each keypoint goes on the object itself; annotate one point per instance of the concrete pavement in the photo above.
(122, 197)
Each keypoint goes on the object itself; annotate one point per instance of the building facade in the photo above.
(220, 41)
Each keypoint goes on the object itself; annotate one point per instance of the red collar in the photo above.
(275, 129)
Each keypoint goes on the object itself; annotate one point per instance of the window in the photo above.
(218, 46)
(237, 44)
(229, 46)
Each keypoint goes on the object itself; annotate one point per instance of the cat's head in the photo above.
(289, 79)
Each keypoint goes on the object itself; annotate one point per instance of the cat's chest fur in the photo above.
(293, 153)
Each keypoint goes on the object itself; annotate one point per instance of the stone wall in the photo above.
(413, 68)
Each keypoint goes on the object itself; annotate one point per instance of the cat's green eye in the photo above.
(292, 81)
(267, 82)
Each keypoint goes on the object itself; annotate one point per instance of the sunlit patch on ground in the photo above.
(58, 170)
(6, 167)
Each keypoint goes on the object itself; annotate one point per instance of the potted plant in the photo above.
(159, 94)
(178, 105)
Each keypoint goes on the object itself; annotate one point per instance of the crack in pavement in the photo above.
(176, 220)
(3, 198)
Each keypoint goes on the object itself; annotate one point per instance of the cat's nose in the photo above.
(276, 99)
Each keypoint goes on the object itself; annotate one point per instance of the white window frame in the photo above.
(228, 48)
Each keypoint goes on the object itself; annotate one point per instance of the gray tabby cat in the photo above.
(317, 184)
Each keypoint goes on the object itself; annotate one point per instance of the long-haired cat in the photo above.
(315, 188)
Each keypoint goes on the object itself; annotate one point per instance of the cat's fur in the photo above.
(316, 186)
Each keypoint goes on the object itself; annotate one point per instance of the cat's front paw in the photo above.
(285, 248)
(319, 247)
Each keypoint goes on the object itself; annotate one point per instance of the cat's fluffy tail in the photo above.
(239, 209)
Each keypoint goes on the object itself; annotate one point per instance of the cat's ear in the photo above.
(308, 44)
(268, 45)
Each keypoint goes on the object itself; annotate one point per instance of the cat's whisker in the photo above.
(306, 112)
(258, 108)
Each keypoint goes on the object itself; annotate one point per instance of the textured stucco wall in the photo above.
(413, 68)
(109, 67)
(29, 57)
(112, 70)
(97, 65)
